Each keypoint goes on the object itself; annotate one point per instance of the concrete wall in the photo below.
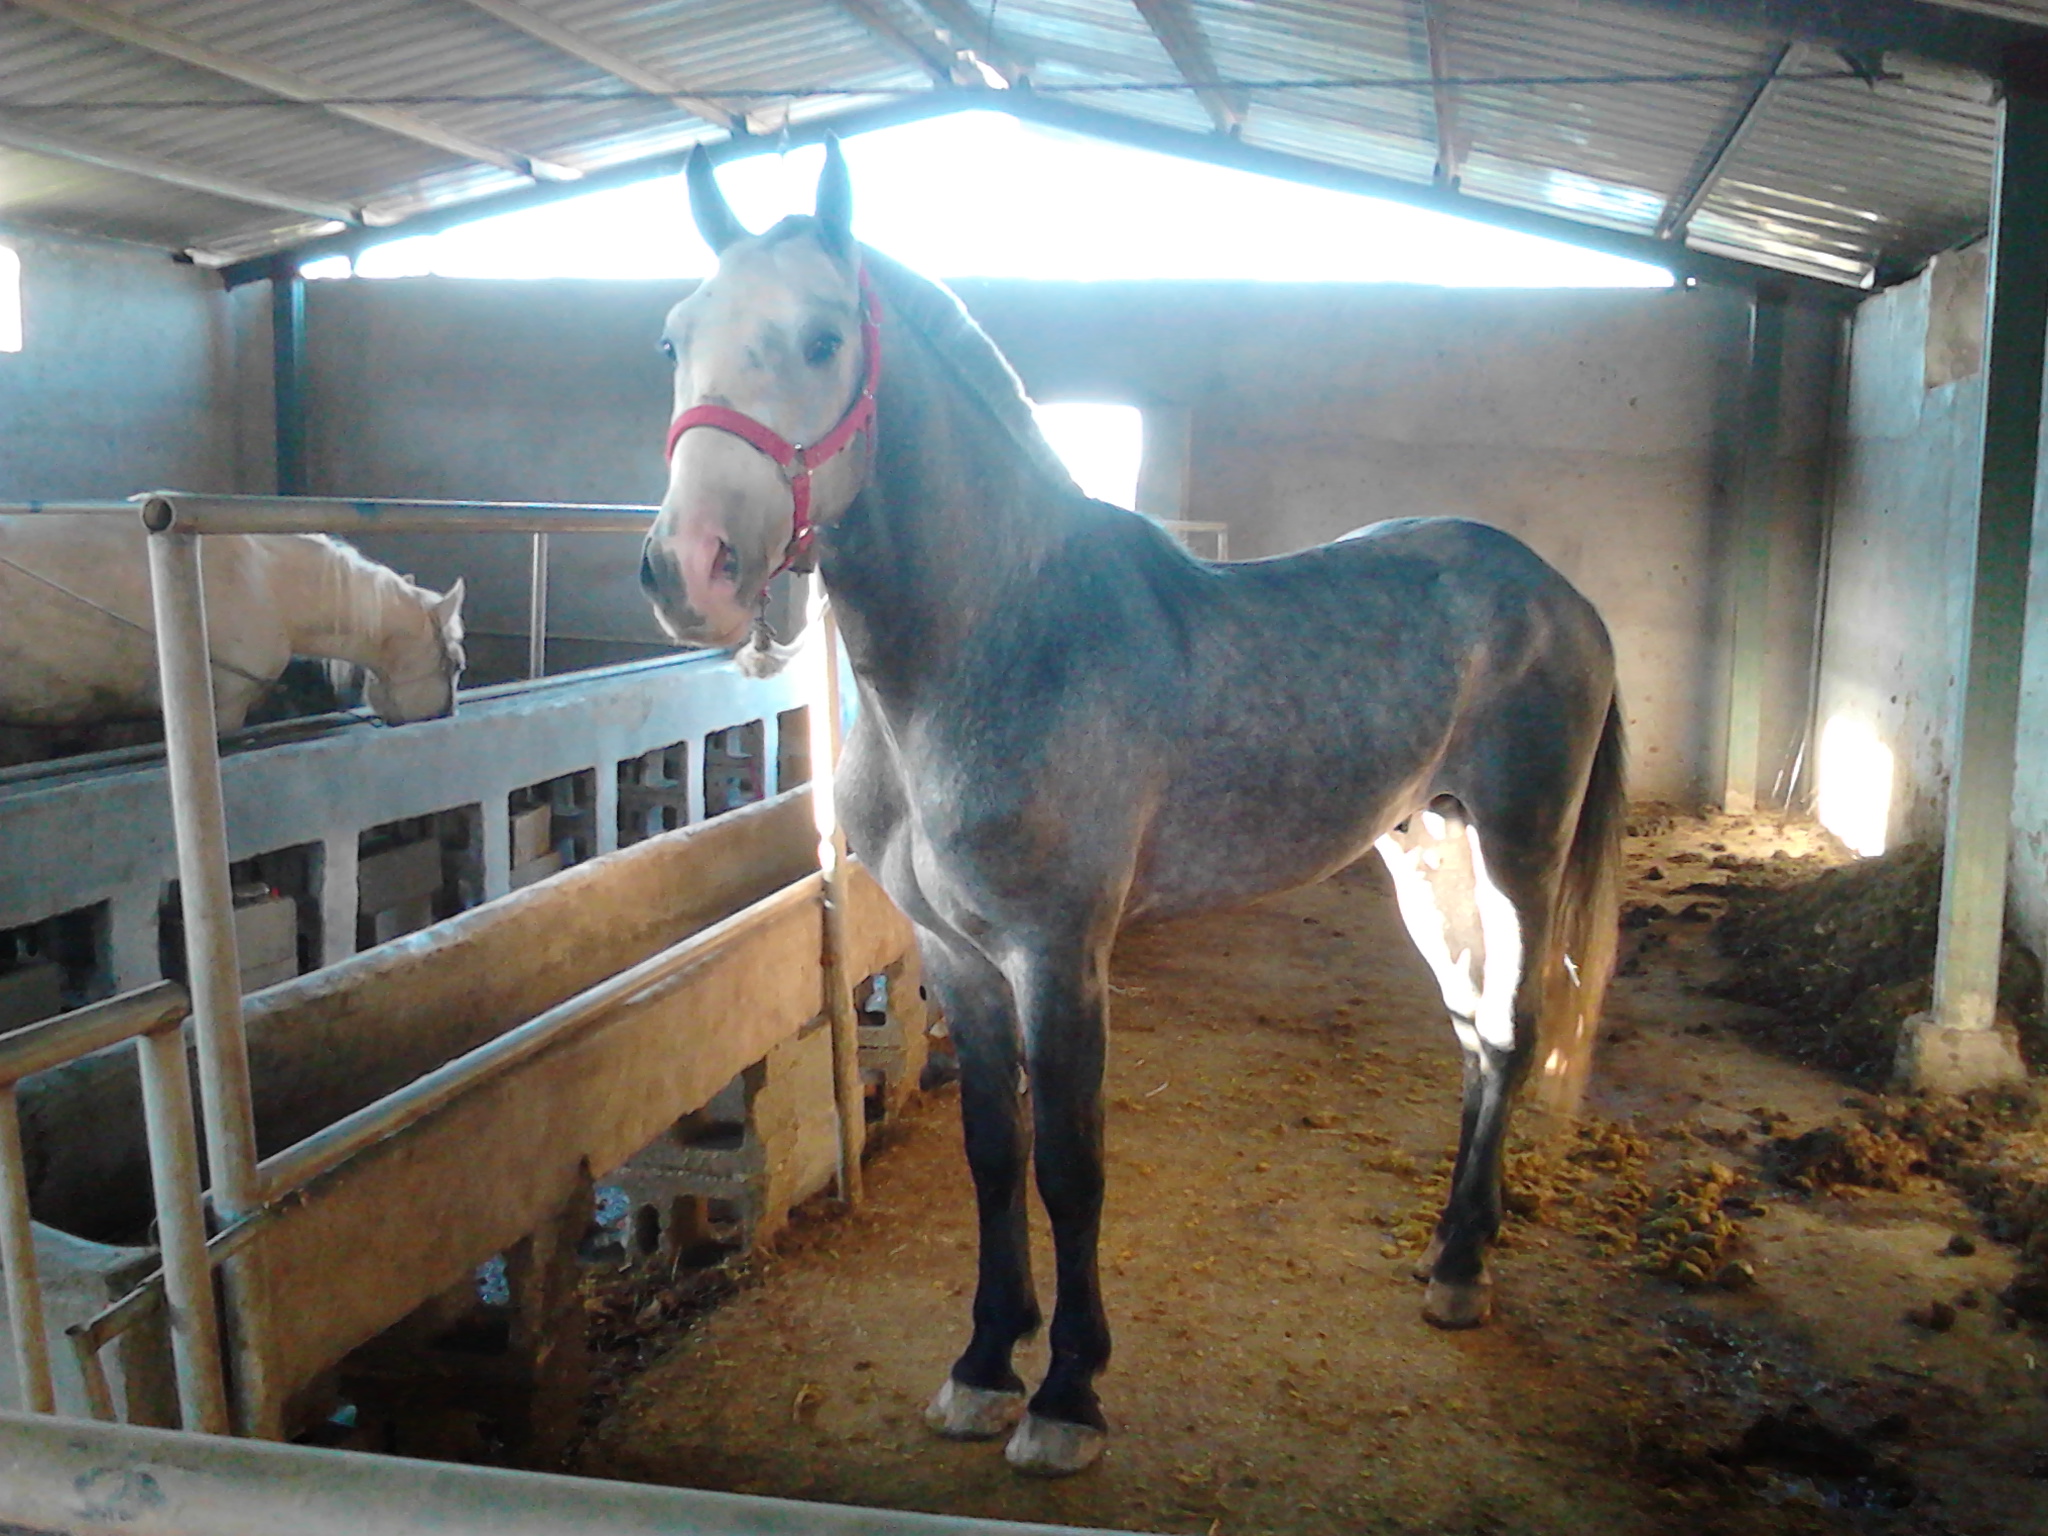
(130, 376)
(1597, 425)
(1899, 572)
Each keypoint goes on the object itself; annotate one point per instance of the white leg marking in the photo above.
(1053, 1447)
(1500, 930)
(1426, 926)
(972, 1413)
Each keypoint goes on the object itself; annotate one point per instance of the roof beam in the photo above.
(1965, 39)
(1689, 199)
(1214, 149)
(543, 29)
(1450, 143)
(65, 146)
(1180, 34)
(929, 52)
(278, 82)
(972, 30)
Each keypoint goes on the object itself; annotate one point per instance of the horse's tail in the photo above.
(1584, 929)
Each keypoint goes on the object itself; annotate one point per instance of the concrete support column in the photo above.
(1958, 1046)
(338, 896)
(496, 837)
(604, 801)
(1755, 514)
(288, 374)
(133, 957)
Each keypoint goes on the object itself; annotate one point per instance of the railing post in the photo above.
(181, 1230)
(18, 1254)
(537, 609)
(212, 961)
(825, 732)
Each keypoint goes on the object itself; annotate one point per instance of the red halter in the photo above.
(794, 460)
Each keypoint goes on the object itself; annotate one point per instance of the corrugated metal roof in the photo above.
(165, 120)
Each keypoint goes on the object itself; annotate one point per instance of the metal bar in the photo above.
(1450, 149)
(1755, 510)
(825, 734)
(118, 1316)
(67, 508)
(175, 510)
(545, 29)
(1941, 31)
(99, 1393)
(1216, 149)
(18, 1255)
(1180, 34)
(537, 609)
(298, 1165)
(1678, 213)
(288, 375)
(910, 108)
(181, 1231)
(52, 1042)
(213, 966)
(927, 53)
(1985, 732)
(137, 33)
(74, 1477)
(66, 146)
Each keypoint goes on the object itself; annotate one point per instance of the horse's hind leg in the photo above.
(1474, 938)
(982, 1397)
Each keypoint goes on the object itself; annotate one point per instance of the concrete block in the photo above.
(533, 836)
(397, 921)
(30, 993)
(398, 875)
(267, 933)
(892, 1034)
(256, 977)
(78, 1279)
(1944, 1058)
(526, 874)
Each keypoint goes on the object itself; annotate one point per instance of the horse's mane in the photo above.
(941, 321)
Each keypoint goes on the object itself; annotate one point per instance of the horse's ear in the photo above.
(449, 603)
(835, 200)
(714, 216)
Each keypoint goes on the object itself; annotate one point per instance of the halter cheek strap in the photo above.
(796, 461)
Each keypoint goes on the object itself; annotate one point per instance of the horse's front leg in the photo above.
(983, 1396)
(1062, 1004)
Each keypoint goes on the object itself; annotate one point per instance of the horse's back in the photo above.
(76, 626)
(1327, 692)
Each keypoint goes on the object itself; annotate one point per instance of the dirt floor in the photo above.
(1680, 1343)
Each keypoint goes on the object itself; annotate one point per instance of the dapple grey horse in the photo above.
(1067, 724)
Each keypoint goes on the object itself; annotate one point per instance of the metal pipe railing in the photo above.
(74, 1477)
(179, 511)
(153, 1017)
(537, 609)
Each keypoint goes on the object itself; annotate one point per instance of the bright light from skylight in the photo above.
(980, 194)
(1101, 446)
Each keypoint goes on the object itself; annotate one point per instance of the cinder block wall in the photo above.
(1597, 425)
(128, 376)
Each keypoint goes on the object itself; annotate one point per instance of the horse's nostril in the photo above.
(646, 569)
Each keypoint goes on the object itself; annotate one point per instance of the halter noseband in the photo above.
(796, 461)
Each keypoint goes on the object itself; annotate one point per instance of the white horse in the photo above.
(77, 640)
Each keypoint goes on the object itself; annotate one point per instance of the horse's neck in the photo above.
(954, 520)
(341, 608)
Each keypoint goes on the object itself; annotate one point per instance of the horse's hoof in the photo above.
(1454, 1304)
(1426, 1265)
(961, 1412)
(1045, 1447)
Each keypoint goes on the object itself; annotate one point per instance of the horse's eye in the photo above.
(668, 349)
(822, 348)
